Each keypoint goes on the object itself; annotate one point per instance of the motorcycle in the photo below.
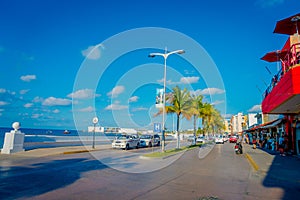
(238, 148)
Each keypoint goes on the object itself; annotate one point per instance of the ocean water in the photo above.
(57, 136)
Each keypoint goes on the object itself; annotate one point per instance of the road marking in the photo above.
(252, 162)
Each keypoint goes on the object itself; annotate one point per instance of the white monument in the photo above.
(14, 140)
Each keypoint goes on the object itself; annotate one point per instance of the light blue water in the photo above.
(54, 135)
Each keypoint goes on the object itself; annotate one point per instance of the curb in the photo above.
(252, 162)
(81, 151)
(73, 152)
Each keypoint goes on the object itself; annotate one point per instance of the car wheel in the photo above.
(137, 146)
(127, 147)
(150, 144)
(158, 144)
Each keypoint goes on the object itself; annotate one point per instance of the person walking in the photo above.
(281, 145)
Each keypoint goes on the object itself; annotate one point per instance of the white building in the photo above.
(252, 119)
(98, 129)
(237, 123)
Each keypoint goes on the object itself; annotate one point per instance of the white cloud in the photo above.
(87, 109)
(255, 108)
(23, 91)
(133, 99)
(210, 91)
(116, 106)
(168, 82)
(139, 109)
(28, 78)
(92, 52)
(56, 111)
(38, 100)
(116, 91)
(83, 94)
(3, 103)
(2, 90)
(28, 105)
(189, 80)
(52, 101)
(183, 80)
(35, 116)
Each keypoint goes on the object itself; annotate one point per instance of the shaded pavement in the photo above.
(276, 171)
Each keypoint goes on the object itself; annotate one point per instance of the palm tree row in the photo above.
(187, 105)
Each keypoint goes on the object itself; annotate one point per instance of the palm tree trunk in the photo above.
(177, 128)
(203, 126)
(195, 122)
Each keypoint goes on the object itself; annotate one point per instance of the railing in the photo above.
(291, 59)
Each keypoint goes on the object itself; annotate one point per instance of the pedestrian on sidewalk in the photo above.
(281, 145)
(254, 142)
(272, 143)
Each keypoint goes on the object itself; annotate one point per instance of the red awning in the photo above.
(274, 56)
(288, 25)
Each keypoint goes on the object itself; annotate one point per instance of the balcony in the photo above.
(283, 94)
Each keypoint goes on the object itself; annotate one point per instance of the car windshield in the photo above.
(145, 137)
(121, 137)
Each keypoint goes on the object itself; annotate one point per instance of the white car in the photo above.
(200, 139)
(149, 140)
(126, 142)
(191, 138)
(219, 139)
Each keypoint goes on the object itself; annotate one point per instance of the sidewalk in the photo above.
(271, 164)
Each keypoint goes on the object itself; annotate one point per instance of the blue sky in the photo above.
(45, 44)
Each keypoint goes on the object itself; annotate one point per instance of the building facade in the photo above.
(282, 96)
(238, 124)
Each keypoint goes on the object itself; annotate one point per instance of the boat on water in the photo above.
(67, 132)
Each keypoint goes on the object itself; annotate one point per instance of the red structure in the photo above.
(283, 94)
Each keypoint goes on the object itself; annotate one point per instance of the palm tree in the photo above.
(195, 109)
(205, 114)
(180, 103)
(217, 122)
(212, 120)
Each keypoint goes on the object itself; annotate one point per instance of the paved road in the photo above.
(221, 174)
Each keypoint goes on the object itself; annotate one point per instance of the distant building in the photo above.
(100, 129)
(227, 126)
(238, 123)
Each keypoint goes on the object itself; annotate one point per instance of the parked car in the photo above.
(200, 139)
(149, 140)
(219, 139)
(233, 139)
(225, 138)
(126, 142)
(191, 138)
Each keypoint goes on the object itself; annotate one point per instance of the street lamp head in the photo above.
(181, 51)
(151, 55)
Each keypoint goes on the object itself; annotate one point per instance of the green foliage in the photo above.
(190, 106)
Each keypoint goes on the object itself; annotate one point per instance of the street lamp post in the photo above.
(95, 121)
(165, 56)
